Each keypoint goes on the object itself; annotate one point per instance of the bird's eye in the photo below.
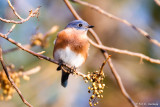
(80, 25)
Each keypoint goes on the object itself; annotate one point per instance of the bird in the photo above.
(71, 46)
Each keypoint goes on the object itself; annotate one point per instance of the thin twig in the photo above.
(30, 72)
(126, 52)
(11, 29)
(14, 11)
(157, 2)
(5, 36)
(35, 54)
(51, 31)
(116, 75)
(27, 50)
(29, 46)
(49, 59)
(11, 81)
(103, 64)
(98, 9)
(73, 71)
(31, 14)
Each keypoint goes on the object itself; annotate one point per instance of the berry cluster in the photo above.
(6, 89)
(96, 78)
(38, 40)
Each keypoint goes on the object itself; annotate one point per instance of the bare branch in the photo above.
(51, 31)
(98, 9)
(14, 11)
(29, 46)
(27, 50)
(126, 52)
(73, 71)
(11, 81)
(36, 54)
(30, 72)
(31, 14)
(103, 64)
(11, 29)
(114, 72)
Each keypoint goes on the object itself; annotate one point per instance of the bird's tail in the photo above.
(64, 79)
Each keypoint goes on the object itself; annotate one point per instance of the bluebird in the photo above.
(71, 46)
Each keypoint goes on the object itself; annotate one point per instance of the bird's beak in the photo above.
(90, 26)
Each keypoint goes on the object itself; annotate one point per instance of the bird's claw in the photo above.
(73, 69)
(60, 66)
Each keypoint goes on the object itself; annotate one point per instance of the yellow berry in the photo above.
(5, 91)
(94, 84)
(103, 85)
(95, 88)
(96, 91)
(1, 97)
(9, 97)
(88, 77)
(90, 103)
(89, 87)
(7, 86)
(93, 96)
(86, 81)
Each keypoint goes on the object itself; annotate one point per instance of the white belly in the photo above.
(69, 57)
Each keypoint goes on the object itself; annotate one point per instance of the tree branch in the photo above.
(14, 11)
(31, 14)
(36, 54)
(11, 81)
(30, 72)
(27, 50)
(114, 72)
(5, 36)
(98, 9)
(126, 52)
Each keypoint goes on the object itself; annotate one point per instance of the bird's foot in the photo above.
(73, 69)
(60, 65)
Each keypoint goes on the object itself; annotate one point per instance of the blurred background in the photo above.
(141, 81)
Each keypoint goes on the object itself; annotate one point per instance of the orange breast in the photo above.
(75, 39)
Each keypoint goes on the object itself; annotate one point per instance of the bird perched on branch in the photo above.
(71, 46)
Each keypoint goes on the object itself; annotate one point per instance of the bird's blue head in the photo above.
(79, 25)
